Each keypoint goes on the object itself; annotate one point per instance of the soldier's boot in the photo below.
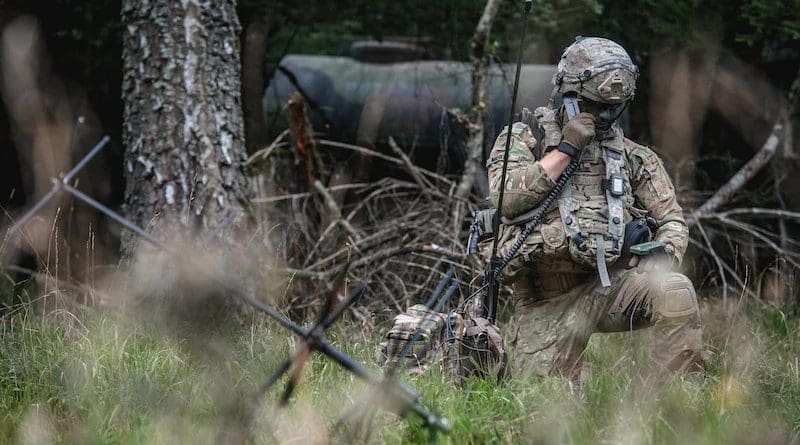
(676, 320)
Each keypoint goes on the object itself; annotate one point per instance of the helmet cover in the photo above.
(598, 69)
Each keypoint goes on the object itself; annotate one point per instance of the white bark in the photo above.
(183, 124)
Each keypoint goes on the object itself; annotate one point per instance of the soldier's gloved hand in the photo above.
(649, 263)
(663, 261)
(547, 120)
(579, 131)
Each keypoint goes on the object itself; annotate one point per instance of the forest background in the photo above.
(715, 79)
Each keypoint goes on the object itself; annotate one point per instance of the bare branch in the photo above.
(409, 166)
(756, 163)
(373, 153)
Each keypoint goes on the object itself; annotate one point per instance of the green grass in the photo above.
(103, 378)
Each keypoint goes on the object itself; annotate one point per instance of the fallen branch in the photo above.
(334, 212)
(741, 177)
(264, 153)
(373, 153)
(271, 199)
(409, 166)
(756, 163)
(754, 211)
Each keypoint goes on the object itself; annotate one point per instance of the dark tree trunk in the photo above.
(256, 37)
(183, 127)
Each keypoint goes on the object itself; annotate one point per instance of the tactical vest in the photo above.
(591, 212)
(593, 206)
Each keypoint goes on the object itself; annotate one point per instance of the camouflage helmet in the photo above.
(598, 69)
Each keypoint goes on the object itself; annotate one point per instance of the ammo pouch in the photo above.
(473, 348)
(425, 350)
(583, 248)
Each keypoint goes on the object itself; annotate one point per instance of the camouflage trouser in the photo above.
(551, 333)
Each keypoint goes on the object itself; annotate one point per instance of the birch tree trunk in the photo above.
(183, 126)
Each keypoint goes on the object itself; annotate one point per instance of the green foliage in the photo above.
(772, 24)
(100, 378)
(642, 25)
(326, 26)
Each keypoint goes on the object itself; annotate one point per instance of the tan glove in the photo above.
(547, 120)
(579, 131)
(649, 263)
(654, 263)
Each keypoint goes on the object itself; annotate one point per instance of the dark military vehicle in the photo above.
(383, 89)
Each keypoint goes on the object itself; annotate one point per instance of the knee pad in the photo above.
(675, 297)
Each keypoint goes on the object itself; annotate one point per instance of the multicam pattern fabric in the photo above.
(648, 190)
(559, 300)
(526, 181)
(425, 350)
(473, 347)
(549, 334)
(598, 69)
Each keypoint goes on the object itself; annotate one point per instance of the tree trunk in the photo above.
(256, 38)
(476, 118)
(183, 126)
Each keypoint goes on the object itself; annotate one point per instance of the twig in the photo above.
(717, 260)
(757, 211)
(333, 209)
(368, 152)
(727, 268)
(335, 188)
(409, 166)
(264, 153)
(747, 228)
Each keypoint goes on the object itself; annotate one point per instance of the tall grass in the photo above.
(100, 377)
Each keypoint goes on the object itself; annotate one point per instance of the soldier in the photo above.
(572, 276)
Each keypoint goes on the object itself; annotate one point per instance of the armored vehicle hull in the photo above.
(365, 103)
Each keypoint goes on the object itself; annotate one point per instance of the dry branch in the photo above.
(264, 153)
(335, 188)
(737, 181)
(402, 230)
(409, 166)
(756, 163)
(373, 153)
(334, 212)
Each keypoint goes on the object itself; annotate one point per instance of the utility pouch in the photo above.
(425, 350)
(585, 249)
(475, 349)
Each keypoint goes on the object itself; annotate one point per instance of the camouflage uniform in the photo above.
(559, 301)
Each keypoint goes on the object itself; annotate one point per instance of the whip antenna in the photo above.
(495, 260)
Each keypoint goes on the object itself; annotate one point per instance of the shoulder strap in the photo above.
(566, 210)
(615, 192)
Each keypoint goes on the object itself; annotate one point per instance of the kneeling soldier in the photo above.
(573, 277)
